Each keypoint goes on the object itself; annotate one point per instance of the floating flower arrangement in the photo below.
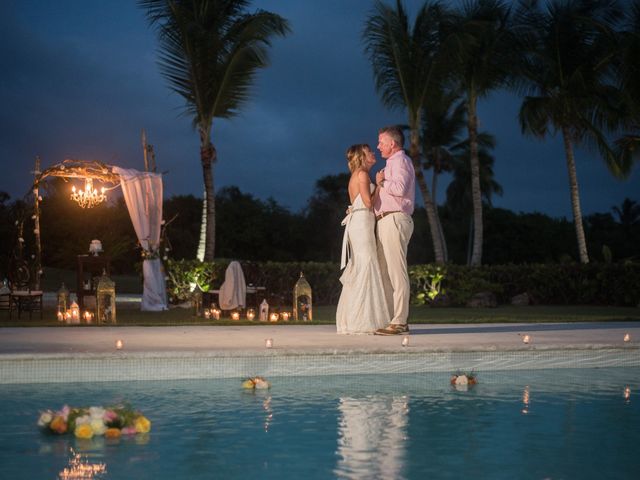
(461, 379)
(256, 383)
(83, 422)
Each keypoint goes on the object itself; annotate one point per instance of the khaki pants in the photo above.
(393, 234)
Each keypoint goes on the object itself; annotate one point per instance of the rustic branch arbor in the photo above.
(67, 169)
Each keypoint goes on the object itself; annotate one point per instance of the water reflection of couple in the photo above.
(378, 227)
(372, 434)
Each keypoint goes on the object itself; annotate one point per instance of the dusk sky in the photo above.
(80, 80)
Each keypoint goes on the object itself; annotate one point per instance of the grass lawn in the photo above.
(326, 315)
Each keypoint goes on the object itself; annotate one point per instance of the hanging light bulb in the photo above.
(89, 197)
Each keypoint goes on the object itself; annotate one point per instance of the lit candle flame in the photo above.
(627, 337)
(119, 344)
(526, 338)
(268, 343)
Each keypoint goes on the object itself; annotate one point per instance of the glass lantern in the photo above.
(302, 300)
(63, 299)
(106, 300)
(196, 301)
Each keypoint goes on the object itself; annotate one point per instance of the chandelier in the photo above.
(89, 197)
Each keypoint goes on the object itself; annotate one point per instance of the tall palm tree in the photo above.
(459, 192)
(566, 79)
(443, 120)
(628, 73)
(628, 213)
(485, 59)
(210, 53)
(406, 69)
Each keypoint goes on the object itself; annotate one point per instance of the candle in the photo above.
(235, 316)
(215, 313)
(67, 316)
(119, 344)
(207, 313)
(60, 316)
(274, 317)
(627, 337)
(268, 343)
(627, 393)
(285, 316)
(87, 316)
(405, 341)
(251, 314)
(526, 338)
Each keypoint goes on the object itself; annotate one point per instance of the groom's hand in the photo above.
(380, 177)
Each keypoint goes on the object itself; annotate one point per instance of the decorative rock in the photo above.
(483, 299)
(521, 300)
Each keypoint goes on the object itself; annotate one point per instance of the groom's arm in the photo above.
(397, 182)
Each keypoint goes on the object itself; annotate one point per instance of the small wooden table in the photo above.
(90, 268)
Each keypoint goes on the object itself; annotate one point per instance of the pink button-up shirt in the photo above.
(399, 189)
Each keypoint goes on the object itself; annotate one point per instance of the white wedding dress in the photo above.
(362, 307)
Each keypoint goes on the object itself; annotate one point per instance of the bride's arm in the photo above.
(363, 188)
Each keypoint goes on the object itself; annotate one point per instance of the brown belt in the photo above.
(384, 214)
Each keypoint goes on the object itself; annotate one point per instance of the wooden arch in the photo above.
(65, 169)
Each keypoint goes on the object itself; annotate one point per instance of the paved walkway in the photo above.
(314, 339)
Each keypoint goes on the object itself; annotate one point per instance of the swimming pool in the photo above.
(562, 423)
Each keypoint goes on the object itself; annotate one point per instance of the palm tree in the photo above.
(628, 73)
(406, 69)
(566, 82)
(485, 58)
(459, 194)
(628, 213)
(442, 121)
(210, 53)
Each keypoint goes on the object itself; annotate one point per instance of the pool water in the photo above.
(541, 424)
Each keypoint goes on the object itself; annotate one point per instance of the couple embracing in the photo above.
(378, 227)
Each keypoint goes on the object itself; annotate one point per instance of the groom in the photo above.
(393, 207)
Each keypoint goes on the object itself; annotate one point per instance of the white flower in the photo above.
(96, 412)
(21, 240)
(98, 426)
(83, 419)
(462, 380)
(33, 217)
(45, 418)
(40, 198)
(36, 231)
(162, 223)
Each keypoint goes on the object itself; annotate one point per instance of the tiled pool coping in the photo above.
(35, 355)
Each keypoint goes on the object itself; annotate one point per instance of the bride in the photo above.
(362, 307)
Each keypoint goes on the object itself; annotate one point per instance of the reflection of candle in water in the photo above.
(235, 316)
(526, 338)
(274, 317)
(119, 344)
(627, 393)
(268, 343)
(251, 314)
(627, 337)
(405, 341)
(525, 400)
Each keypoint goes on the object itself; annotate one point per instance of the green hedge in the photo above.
(546, 284)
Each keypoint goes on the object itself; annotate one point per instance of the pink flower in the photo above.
(129, 431)
(110, 416)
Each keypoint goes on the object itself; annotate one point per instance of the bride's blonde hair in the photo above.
(357, 156)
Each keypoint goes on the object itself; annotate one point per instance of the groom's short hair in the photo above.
(395, 133)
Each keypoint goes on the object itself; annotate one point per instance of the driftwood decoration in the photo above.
(80, 169)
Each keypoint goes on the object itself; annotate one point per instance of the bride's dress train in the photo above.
(362, 307)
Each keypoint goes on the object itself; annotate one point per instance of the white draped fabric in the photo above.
(143, 196)
(233, 291)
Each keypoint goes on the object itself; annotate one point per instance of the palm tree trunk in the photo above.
(434, 185)
(575, 196)
(476, 195)
(207, 158)
(432, 214)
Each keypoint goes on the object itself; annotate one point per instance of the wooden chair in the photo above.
(22, 298)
